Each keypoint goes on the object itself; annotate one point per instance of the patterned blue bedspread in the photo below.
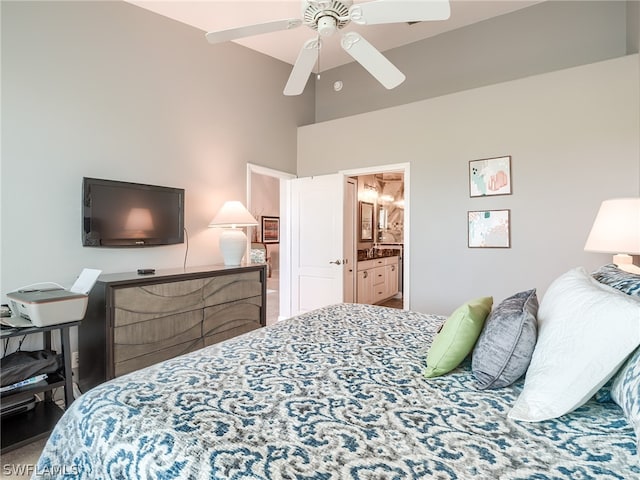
(335, 393)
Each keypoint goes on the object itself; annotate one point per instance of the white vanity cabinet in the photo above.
(377, 279)
(364, 287)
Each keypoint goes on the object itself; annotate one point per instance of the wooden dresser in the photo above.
(134, 321)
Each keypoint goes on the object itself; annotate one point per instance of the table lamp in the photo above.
(233, 241)
(616, 229)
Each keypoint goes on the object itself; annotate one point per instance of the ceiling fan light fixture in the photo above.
(327, 25)
(328, 16)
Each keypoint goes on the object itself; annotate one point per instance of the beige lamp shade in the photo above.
(233, 214)
(233, 241)
(616, 230)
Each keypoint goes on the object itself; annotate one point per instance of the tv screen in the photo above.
(124, 214)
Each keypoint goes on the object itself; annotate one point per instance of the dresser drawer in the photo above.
(137, 304)
(230, 319)
(228, 288)
(142, 338)
(230, 333)
(152, 358)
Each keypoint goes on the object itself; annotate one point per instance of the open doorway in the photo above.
(267, 203)
(316, 231)
(384, 190)
(380, 240)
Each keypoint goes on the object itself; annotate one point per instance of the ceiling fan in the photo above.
(329, 16)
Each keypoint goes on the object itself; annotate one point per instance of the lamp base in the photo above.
(625, 262)
(233, 245)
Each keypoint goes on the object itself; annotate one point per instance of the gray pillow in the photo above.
(505, 346)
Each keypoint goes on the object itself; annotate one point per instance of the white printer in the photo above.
(48, 307)
(52, 306)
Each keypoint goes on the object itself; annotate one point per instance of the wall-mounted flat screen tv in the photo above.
(124, 214)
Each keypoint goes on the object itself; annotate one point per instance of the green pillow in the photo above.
(457, 337)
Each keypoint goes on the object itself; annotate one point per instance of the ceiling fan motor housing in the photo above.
(326, 16)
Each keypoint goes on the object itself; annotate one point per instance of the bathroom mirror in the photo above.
(366, 222)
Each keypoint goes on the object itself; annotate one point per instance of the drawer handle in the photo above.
(366, 274)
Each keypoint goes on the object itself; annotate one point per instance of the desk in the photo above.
(23, 428)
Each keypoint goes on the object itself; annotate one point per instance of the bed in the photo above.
(334, 393)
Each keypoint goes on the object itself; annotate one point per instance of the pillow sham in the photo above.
(505, 346)
(611, 275)
(457, 336)
(625, 391)
(585, 332)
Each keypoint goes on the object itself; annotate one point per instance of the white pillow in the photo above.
(585, 332)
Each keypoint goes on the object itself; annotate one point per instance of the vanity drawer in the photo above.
(379, 275)
(379, 292)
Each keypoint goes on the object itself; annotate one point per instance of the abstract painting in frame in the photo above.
(490, 176)
(489, 229)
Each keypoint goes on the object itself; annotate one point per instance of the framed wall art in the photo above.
(490, 176)
(270, 229)
(489, 229)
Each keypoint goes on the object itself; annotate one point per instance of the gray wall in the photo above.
(537, 39)
(573, 138)
(633, 26)
(109, 90)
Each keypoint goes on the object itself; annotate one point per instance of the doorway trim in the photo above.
(406, 169)
(285, 238)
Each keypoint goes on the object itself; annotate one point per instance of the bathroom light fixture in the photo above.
(616, 229)
(233, 241)
(369, 193)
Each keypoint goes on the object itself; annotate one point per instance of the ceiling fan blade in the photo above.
(303, 67)
(251, 30)
(398, 11)
(372, 60)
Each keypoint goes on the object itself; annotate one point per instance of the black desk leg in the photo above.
(48, 395)
(68, 377)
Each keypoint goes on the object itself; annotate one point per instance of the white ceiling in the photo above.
(208, 15)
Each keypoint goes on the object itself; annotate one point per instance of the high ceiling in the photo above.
(208, 15)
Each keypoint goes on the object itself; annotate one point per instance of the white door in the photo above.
(349, 245)
(316, 242)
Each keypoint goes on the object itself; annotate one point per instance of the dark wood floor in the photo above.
(392, 303)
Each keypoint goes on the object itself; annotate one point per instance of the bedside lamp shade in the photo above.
(233, 241)
(616, 229)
